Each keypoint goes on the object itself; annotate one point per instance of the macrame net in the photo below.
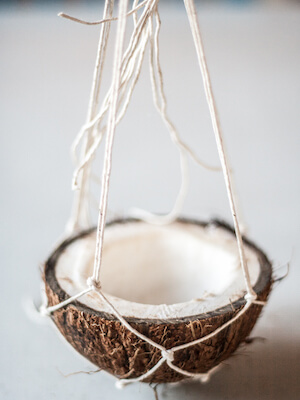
(101, 124)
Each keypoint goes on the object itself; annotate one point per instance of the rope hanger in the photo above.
(126, 71)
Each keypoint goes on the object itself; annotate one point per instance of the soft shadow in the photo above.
(262, 371)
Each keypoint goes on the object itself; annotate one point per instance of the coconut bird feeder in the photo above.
(116, 323)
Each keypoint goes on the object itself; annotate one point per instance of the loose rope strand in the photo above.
(160, 103)
(130, 54)
(133, 11)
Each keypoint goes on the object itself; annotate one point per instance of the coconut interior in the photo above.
(149, 271)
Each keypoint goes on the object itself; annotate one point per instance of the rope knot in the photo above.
(250, 297)
(44, 311)
(168, 355)
(205, 378)
(93, 284)
(120, 384)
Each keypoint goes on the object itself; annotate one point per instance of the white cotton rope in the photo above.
(80, 206)
(174, 213)
(111, 126)
(130, 56)
(160, 103)
(49, 310)
(98, 118)
(102, 21)
(81, 199)
(167, 354)
(159, 96)
(122, 69)
(127, 68)
(192, 15)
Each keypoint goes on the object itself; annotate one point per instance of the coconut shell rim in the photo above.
(264, 279)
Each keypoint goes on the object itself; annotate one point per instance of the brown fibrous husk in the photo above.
(103, 340)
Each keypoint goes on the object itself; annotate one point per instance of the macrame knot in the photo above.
(93, 284)
(120, 384)
(168, 355)
(205, 378)
(250, 297)
(44, 311)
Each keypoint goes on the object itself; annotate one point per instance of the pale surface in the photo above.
(45, 77)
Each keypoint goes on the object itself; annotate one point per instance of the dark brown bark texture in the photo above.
(103, 340)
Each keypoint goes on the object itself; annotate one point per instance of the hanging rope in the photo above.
(80, 213)
(142, 34)
(126, 71)
(192, 15)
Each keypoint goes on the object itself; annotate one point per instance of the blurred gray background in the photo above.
(46, 64)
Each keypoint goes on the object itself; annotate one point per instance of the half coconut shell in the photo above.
(103, 340)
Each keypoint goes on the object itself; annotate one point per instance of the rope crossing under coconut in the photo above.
(126, 71)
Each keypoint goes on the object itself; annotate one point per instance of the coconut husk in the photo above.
(103, 340)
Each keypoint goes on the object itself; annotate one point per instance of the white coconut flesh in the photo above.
(159, 272)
